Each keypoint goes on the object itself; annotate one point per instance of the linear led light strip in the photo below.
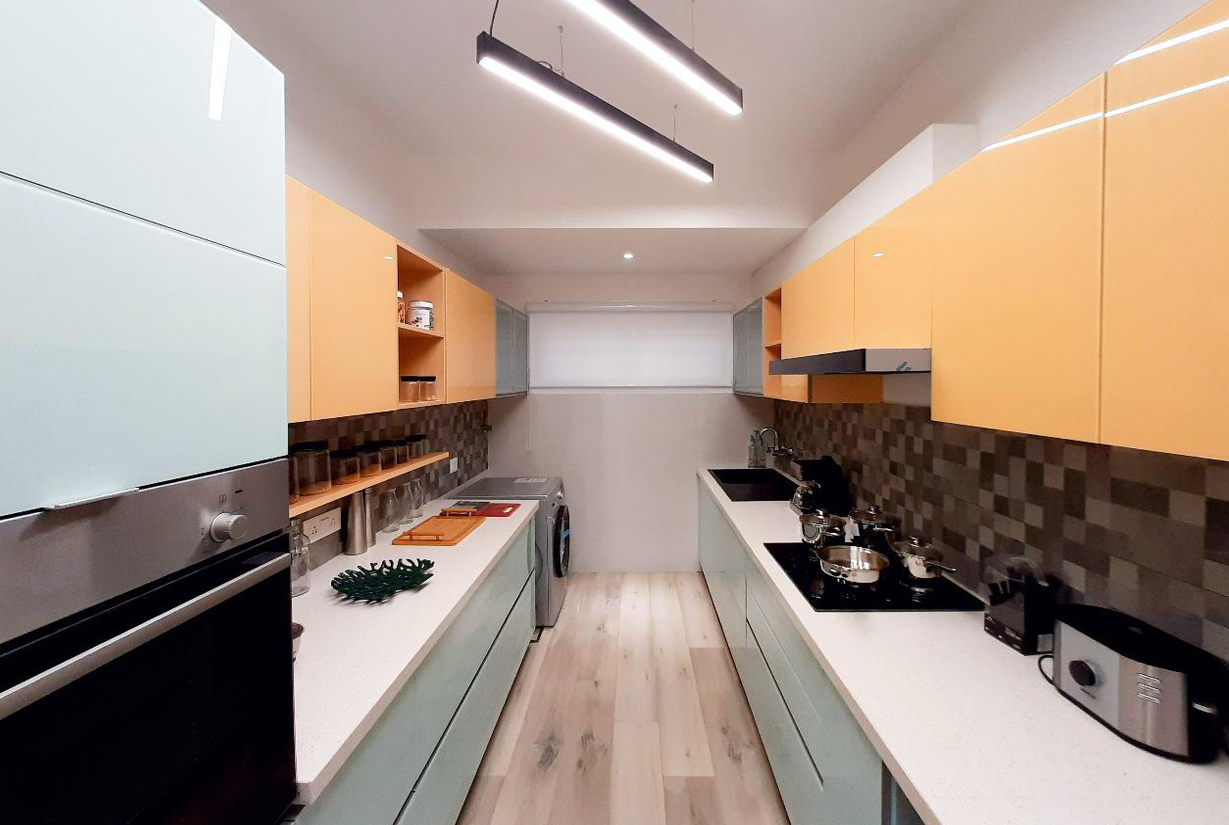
(222, 35)
(1175, 41)
(1121, 110)
(538, 80)
(627, 22)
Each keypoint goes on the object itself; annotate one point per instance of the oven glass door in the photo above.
(172, 704)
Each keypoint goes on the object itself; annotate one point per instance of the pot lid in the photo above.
(917, 546)
(874, 516)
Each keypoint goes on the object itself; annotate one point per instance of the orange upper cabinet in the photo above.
(892, 277)
(817, 306)
(298, 301)
(470, 340)
(1017, 278)
(353, 313)
(1166, 245)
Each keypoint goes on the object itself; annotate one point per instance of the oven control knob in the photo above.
(1082, 673)
(228, 527)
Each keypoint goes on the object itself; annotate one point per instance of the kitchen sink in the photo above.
(752, 484)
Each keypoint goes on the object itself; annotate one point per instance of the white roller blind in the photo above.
(626, 348)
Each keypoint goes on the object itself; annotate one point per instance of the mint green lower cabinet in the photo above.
(441, 792)
(800, 783)
(723, 559)
(373, 785)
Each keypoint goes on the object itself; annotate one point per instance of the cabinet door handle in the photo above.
(68, 505)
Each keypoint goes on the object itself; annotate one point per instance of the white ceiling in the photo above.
(503, 178)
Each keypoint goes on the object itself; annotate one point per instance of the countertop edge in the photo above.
(309, 791)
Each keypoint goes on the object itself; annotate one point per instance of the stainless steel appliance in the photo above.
(552, 532)
(145, 656)
(1150, 688)
(1021, 609)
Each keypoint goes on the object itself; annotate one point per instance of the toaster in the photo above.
(1149, 687)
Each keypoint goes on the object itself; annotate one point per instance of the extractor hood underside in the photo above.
(880, 361)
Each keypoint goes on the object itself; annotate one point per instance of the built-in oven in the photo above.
(145, 657)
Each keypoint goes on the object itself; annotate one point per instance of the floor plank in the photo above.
(480, 804)
(637, 796)
(746, 790)
(636, 689)
(692, 800)
(703, 629)
(684, 743)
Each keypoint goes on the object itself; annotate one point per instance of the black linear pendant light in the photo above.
(626, 21)
(525, 72)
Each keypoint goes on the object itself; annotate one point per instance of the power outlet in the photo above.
(452, 465)
(323, 525)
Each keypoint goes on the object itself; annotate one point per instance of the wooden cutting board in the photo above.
(441, 531)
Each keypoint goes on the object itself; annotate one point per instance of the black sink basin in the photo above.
(746, 484)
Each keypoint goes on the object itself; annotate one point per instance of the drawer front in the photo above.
(441, 792)
(798, 780)
(723, 559)
(378, 778)
(852, 770)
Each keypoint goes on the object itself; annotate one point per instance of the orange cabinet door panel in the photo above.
(817, 305)
(1166, 246)
(298, 301)
(469, 343)
(1017, 279)
(893, 259)
(353, 313)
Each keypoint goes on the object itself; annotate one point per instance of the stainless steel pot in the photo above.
(853, 564)
(922, 559)
(818, 528)
(876, 528)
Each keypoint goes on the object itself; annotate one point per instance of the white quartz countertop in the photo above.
(355, 657)
(968, 727)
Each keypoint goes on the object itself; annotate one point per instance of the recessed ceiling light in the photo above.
(627, 256)
(525, 72)
(877, 254)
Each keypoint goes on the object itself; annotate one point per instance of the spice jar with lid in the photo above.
(410, 389)
(311, 467)
(388, 454)
(427, 392)
(345, 466)
(422, 315)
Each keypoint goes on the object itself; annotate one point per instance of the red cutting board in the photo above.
(494, 509)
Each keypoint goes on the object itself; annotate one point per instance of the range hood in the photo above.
(878, 361)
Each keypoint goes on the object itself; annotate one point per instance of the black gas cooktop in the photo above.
(893, 591)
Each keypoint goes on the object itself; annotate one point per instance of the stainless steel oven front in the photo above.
(145, 665)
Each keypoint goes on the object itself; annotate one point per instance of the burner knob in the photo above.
(228, 527)
(1082, 673)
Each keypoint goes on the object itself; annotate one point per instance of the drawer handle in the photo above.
(81, 502)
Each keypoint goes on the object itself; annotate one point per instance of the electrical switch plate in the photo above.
(452, 465)
(323, 525)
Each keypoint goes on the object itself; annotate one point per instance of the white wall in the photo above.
(628, 461)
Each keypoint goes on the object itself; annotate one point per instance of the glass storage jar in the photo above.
(345, 467)
(422, 315)
(311, 468)
(410, 389)
(388, 454)
(418, 445)
(428, 392)
(403, 451)
(369, 460)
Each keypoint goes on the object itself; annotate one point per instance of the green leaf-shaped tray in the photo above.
(379, 581)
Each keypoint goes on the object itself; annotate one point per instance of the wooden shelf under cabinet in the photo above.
(339, 491)
(406, 329)
(413, 405)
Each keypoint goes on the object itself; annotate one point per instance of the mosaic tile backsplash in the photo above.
(1146, 533)
(456, 428)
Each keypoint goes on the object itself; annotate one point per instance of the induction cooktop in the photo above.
(895, 590)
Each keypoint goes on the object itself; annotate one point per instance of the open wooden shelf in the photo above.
(774, 343)
(406, 329)
(413, 405)
(339, 491)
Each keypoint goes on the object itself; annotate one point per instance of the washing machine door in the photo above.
(561, 541)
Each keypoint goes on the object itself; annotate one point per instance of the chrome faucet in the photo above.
(778, 449)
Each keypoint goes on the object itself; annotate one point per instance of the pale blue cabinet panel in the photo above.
(441, 792)
(723, 560)
(800, 784)
(373, 785)
(851, 769)
(110, 102)
(129, 354)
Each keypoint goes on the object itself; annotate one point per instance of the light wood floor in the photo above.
(627, 712)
